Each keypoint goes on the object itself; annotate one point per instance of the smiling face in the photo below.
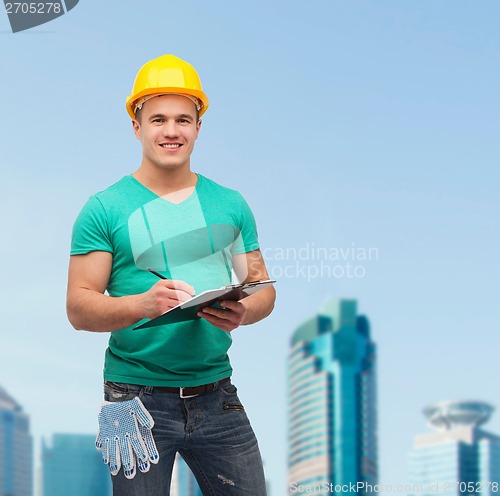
(167, 128)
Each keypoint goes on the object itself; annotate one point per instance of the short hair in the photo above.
(139, 111)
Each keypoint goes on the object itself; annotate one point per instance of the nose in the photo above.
(170, 129)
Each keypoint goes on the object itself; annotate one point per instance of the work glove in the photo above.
(125, 436)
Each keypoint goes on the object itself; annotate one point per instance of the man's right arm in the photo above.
(90, 309)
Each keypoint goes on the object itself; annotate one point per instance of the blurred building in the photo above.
(73, 466)
(16, 449)
(332, 426)
(183, 481)
(459, 452)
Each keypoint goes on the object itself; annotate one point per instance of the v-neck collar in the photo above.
(158, 197)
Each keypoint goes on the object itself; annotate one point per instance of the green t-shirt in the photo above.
(192, 241)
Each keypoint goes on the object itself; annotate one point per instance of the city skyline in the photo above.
(71, 465)
(367, 124)
(460, 455)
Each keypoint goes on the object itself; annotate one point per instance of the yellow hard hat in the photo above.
(165, 75)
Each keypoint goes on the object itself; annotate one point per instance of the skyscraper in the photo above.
(73, 466)
(16, 451)
(183, 480)
(460, 458)
(332, 436)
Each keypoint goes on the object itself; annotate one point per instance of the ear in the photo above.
(198, 126)
(136, 128)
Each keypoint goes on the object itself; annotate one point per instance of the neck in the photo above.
(165, 181)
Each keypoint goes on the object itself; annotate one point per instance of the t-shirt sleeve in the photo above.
(91, 230)
(247, 239)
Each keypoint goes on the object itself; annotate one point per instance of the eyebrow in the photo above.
(180, 116)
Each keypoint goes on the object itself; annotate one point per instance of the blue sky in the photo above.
(353, 123)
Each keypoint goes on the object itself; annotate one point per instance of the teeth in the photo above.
(170, 145)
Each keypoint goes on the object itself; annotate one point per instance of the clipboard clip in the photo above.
(242, 286)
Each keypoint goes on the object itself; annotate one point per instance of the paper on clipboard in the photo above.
(190, 308)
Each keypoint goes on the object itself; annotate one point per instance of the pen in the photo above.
(157, 274)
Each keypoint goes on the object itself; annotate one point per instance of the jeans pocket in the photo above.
(228, 389)
(118, 391)
(231, 401)
(233, 406)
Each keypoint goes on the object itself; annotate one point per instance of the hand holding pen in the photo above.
(164, 295)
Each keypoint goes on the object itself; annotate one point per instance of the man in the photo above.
(167, 388)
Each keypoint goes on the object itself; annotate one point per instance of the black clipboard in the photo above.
(190, 308)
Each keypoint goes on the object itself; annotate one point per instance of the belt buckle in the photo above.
(181, 393)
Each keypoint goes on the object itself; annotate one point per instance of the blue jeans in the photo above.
(210, 431)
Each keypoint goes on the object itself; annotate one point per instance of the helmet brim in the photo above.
(166, 90)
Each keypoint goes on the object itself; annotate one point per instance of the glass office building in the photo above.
(183, 480)
(332, 424)
(73, 466)
(16, 449)
(459, 457)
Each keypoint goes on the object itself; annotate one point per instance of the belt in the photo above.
(190, 392)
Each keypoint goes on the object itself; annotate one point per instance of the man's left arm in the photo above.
(248, 267)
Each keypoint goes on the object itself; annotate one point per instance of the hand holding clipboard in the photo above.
(189, 309)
